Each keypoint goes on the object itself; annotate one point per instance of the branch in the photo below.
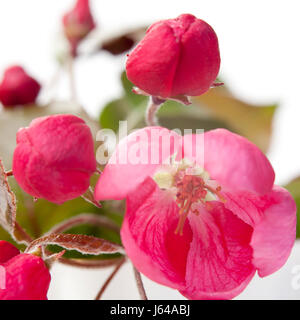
(109, 279)
(140, 285)
(91, 264)
(20, 235)
(85, 218)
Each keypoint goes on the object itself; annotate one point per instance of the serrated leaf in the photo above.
(7, 203)
(79, 242)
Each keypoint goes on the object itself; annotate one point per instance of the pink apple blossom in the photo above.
(205, 222)
(176, 57)
(26, 275)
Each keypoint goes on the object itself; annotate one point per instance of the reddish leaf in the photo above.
(7, 203)
(118, 45)
(121, 43)
(79, 242)
(91, 263)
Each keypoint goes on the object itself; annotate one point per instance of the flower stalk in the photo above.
(109, 279)
(140, 285)
(153, 106)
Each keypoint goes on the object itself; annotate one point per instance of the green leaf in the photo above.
(132, 98)
(176, 115)
(114, 112)
(294, 188)
(251, 121)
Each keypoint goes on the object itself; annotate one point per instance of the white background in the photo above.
(260, 51)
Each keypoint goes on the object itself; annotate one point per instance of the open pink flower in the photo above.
(26, 275)
(206, 222)
(176, 57)
(78, 23)
(18, 88)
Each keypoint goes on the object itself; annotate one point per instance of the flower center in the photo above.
(190, 185)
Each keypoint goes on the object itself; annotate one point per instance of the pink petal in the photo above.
(199, 61)
(7, 251)
(148, 235)
(233, 161)
(273, 218)
(54, 138)
(248, 206)
(68, 184)
(48, 160)
(219, 261)
(156, 56)
(274, 236)
(136, 157)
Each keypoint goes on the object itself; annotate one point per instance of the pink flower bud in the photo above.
(54, 158)
(18, 88)
(26, 278)
(7, 251)
(78, 23)
(176, 57)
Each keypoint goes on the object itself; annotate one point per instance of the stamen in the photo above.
(192, 189)
(216, 192)
(183, 215)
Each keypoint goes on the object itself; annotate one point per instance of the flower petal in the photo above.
(148, 235)
(156, 56)
(274, 236)
(248, 206)
(233, 161)
(219, 261)
(273, 218)
(136, 157)
(199, 61)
